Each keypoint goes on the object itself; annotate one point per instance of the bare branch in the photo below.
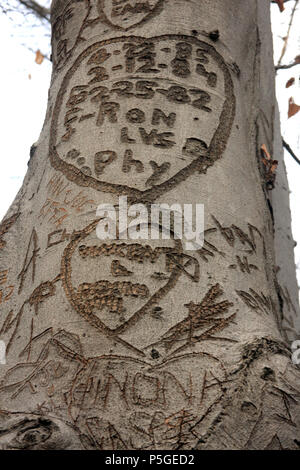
(288, 33)
(287, 66)
(37, 9)
(31, 18)
(26, 6)
(288, 148)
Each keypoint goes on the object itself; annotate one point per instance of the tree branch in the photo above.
(288, 148)
(288, 34)
(37, 9)
(284, 1)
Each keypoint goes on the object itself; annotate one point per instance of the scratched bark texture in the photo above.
(134, 344)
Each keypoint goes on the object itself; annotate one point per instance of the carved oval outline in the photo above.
(215, 150)
(103, 17)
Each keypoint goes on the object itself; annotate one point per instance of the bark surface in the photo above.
(141, 344)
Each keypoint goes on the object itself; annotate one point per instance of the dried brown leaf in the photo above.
(293, 108)
(265, 152)
(280, 4)
(297, 59)
(290, 82)
(274, 166)
(39, 57)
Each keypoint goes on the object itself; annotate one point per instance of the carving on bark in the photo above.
(102, 302)
(5, 227)
(94, 97)
(203, 316)
(127, 13)
(157, 405)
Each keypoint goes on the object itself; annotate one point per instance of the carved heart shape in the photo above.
(138, 116)
(102, 296)
(129, 13)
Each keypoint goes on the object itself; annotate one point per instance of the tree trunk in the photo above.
(143, 344)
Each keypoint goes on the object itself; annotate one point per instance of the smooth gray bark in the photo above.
(140, 344)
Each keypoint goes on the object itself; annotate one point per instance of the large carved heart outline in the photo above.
(94, 320)
(107, 17)
(215, 150)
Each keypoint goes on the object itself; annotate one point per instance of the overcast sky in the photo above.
(290, 128)
(23, 97)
